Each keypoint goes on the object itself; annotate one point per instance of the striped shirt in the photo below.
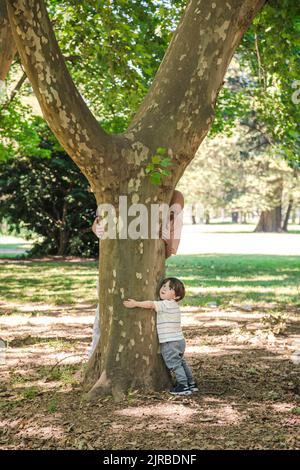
(168, 321)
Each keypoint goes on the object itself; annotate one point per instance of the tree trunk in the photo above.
(63, 232)
(270, 221)
(194, 212)
(287, 216)
(207, 217)
(176, 114)
(127, 357)
(8, 48)
(63, 241)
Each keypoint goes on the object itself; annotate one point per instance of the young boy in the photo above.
(170, 336)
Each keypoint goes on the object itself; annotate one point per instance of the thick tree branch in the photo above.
(62, 105)
(179, 108)
(8, 48)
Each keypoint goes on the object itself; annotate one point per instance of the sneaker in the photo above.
(193, 387)
(180, 389)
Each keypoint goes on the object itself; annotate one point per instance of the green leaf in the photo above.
(155, 159)
(149, 168)
(161, 150)
(155, 178)
(166, 162)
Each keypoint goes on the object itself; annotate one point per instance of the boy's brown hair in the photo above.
(175, 284)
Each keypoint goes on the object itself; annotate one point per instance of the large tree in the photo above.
(175, 115)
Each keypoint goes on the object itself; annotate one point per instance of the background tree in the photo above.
(237, 174)
(48, 195)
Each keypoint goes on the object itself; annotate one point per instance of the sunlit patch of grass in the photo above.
(56, 283)
(59, 373)
(16, 379)
(30, 393)
(52, 406)
(51, 343)
(208, 278)
(239, 278)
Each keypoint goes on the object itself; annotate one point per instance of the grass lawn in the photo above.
(249, 386)
(13, 247)
(224, 279)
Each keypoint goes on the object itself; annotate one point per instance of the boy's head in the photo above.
(171, 288)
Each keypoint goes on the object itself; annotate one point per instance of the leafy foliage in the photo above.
(51, 197)
(113, 50)
(240, 173)
(157, 169)
(274, 63)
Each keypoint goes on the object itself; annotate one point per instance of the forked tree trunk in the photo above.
(176, 115)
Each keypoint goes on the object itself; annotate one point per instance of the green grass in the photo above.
(224, 279)
(238, 278)
(30, 393)
(54, 283)
(14, 246)
(61, 373)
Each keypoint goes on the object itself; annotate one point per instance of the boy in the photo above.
(170, 336)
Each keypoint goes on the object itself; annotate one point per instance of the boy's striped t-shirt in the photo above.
(168, 321)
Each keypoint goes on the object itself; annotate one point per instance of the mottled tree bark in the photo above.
(176, 114)
(8, 48)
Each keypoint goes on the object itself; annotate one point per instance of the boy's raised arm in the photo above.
(131, 303)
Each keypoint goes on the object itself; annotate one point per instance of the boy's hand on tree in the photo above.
(98, 228)
(130, 303)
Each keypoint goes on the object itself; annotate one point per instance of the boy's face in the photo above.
(166, 292)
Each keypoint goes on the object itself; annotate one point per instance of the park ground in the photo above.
(242, 326)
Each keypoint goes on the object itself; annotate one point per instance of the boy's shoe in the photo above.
(180, 389)
(193, 387)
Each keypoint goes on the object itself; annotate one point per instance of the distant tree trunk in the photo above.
(234, 217)
(270, 220)
(287, 215)
(194, 214)
(176, 114)
(207, 217)
(63, 232)
(244, 217)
